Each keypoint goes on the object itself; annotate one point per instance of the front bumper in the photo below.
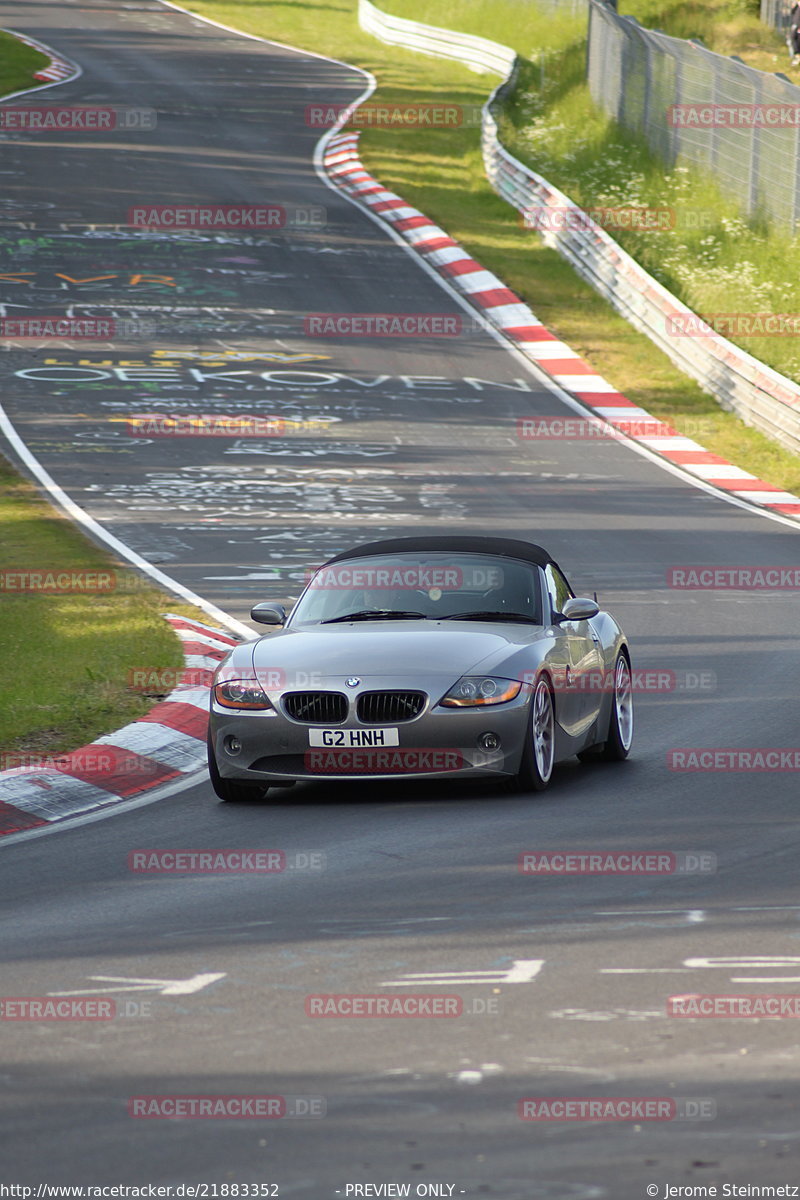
(440, 743)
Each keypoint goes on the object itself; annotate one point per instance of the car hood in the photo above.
(393, 648)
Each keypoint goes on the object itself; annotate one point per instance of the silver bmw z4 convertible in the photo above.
(456, 657)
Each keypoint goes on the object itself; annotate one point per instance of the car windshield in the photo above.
(420, 587)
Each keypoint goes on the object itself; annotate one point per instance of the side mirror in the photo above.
(580, 608)
(268, 614)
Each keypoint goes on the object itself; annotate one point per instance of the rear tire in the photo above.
(230, 789)
(619, 738)
(620, 725)
(538, 757)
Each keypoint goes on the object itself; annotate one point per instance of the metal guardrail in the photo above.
(761, 396)
(478, 53)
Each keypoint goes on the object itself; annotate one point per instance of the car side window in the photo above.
(558, 588)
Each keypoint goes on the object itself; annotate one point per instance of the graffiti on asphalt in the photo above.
(136, 371)
(67, 265)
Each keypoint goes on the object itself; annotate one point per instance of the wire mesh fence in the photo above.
(740, 125)
(776, 13)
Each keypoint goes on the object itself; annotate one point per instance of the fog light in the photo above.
(489, 741)
(232, 745)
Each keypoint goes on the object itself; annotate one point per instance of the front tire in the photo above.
(230, 789)
(538, 756)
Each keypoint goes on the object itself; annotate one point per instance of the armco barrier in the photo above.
(475, 52)
(761, 396)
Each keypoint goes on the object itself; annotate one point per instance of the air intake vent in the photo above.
(389, 708)
(316, 708)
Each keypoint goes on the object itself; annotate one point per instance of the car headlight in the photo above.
(473, 691)
(241, 693)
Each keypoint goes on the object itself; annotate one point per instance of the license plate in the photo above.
(331, 738)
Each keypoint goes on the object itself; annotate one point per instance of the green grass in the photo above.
(725, 26)
(441, 172)
(18, 63)
(65, 659)
(517, 23)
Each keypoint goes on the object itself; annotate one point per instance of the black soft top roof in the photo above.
(504, 547)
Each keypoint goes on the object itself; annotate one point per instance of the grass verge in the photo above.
(441, 172)
(65, 659)
(18, 63)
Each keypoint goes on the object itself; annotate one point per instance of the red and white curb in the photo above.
(163, 745)
(504, 309)
(58, 70)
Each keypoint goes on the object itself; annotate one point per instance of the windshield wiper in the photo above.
(491, 616)
(377, 614)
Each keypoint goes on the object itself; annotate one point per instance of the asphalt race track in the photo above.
(564, 980)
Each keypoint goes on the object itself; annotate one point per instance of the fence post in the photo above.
(698, 48)
(755, 152)
(755, 146)
(715, 137)
(794, 216)
(647, 90)
(674, 137)
(596, 42)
